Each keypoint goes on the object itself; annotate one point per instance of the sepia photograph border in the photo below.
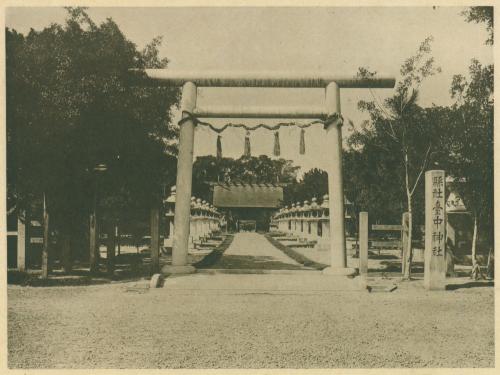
(220, 3)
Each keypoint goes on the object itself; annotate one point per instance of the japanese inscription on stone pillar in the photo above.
(435, 227)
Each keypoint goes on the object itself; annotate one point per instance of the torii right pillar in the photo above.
(338, 253)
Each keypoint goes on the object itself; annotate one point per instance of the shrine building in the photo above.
(247, 206)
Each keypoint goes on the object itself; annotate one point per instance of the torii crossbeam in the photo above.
(190, 81)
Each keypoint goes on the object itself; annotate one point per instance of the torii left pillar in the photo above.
(183, 186)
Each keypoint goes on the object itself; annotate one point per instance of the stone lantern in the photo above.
(169, 214)
(324, 226)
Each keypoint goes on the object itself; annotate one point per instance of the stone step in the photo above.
(239, 271)
(207, 245)
(309, 244)
(290, 282)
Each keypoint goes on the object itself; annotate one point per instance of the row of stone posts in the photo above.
(204, 220)
(307, 222)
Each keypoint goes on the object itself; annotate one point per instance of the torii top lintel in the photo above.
(265, 79)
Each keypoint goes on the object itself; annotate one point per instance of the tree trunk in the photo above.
(450, 261)
(408, 255)
(94, 262)
(118, 238)
(45, 250)
(451, 240)
(27, 238)
(474, 272)
(491, 264)
(155, 240)
(110, 249)
(404, 241)
(67, 261)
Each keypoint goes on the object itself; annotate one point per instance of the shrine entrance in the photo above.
(327, 115)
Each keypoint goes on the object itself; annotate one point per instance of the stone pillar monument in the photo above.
(435, 231)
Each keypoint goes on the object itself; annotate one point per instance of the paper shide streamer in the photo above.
(276, 150)
(334, 118)
(302, 144)
(247, 151)
(219, 147)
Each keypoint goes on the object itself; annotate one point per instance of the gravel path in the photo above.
(118, 326)
(253, 251)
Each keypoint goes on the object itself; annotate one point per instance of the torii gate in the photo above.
(331, 107)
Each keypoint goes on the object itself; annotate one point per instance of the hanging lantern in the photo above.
(219, 147)
(302, 147)
(276, 150)
(247, 152)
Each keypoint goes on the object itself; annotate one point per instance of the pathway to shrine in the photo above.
(252, 251)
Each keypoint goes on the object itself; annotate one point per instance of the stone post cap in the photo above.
(325, 201)
(305, 206)
(314, 205)
(171, 198)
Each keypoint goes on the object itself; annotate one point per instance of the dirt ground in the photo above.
(125, 325)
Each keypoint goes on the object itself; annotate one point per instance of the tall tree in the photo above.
(471, 142)
(402, 127)
(70, 107)
(470, 147)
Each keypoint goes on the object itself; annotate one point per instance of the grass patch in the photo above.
(214, 256)
(299, 258)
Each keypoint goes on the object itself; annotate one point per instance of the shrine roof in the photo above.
(247, 195)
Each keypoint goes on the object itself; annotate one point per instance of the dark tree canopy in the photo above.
(69, 108)
(470, 143)
(313, 184)
(253, 169)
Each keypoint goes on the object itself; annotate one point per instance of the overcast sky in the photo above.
(338, 40)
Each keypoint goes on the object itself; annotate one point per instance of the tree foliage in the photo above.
(470, 142)
(399, 141)
(404, 134)
(481, 14)
(372, 184)
(313, 184)
(69, 108)
(253, 169)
